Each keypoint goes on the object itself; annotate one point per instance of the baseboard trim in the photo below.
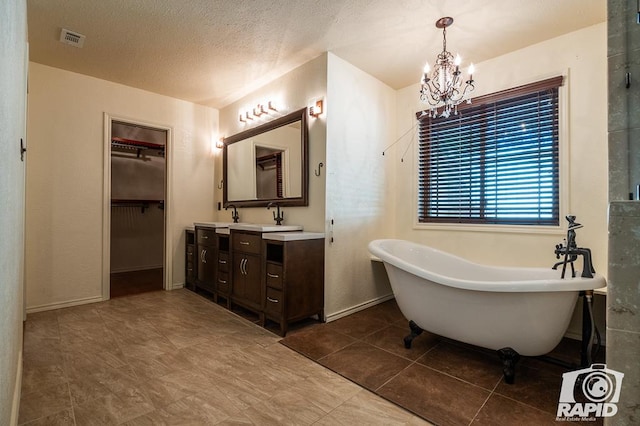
(352, 310)
(15, 405)
(176, 286)
(60, 305)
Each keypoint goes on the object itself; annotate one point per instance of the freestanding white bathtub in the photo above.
(526, 309)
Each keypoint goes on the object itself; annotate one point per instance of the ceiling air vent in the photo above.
(69, 37)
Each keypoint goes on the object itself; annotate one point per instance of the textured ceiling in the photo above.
(214, 52)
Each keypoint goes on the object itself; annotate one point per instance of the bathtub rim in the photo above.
(524, 286)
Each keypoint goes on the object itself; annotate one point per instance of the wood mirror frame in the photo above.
(303, 200)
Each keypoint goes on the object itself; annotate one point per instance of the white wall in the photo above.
(66, 171)
(580, 55)
(13, 72)
(289, 93)
(360, 184)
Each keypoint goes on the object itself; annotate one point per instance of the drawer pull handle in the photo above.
(223, 262)
(273, 275)
(245, 243)
(272, 300)
(222, 281)
(205, 237)
(190, 269)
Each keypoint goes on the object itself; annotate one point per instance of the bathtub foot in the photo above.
(415, 332)
(509, 359)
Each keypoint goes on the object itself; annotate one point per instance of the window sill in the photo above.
(509, 229)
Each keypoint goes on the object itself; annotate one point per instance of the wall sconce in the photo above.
(316, 108)
(220, 143)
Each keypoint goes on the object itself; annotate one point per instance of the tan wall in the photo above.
(360, 184)
(580, 55)
(290, 93)
(13, 73)
(65, 178)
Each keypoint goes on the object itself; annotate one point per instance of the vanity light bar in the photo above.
(258, 111)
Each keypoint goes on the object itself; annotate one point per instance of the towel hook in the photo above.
(220, 185)
(317, 172)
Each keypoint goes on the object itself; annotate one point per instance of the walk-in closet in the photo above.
(138, 170)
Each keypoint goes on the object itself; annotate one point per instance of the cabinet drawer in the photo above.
(274, 275)
(190, 250)
(248, 243)
(274, 302)
(223, 262)
(222, 283)
(206, 236)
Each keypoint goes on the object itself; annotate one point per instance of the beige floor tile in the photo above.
(61, 418)
(44, 402)
(366, 408)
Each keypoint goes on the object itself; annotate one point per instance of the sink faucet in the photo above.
(277, 217)
(235, 216)
(571, 252)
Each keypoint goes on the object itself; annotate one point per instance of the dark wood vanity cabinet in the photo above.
(206, 258)
(246, 272)
(189, 259)
(293, 280)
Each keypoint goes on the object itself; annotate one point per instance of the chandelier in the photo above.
(444, 88)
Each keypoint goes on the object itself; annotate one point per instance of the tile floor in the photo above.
(446, 382)
(177, 358)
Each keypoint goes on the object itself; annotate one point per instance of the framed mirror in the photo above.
(268, 163)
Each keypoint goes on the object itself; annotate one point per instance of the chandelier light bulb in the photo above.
(426, 68)
(458, 60)
(471, 69)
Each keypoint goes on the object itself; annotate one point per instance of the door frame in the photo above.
(106, 202)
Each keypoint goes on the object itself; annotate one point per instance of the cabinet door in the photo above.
(247, 279)
(238, 287)
(253, 277)
(206, 266)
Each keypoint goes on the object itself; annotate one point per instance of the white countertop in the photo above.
(261, 227)
(213, 224)
(292, 236)
(223, 231)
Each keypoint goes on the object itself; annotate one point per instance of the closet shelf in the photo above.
(139, 146)
(143, 204)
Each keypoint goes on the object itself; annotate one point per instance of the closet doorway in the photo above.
(137, 231)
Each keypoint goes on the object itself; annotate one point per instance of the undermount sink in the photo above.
(261, 227)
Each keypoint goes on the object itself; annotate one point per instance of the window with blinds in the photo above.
(495, 162)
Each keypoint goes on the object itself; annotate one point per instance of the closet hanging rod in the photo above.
(136, 143)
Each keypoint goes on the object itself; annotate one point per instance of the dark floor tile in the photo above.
(435, 396)
(365, 364)
(538, 388)
(388, 312)
(504, 411)
(477, 367)
(357, 325)
(316, 342)
(391, 339)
